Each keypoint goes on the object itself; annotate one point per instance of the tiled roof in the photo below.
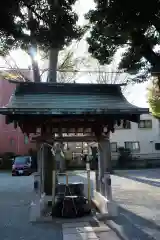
(58, 99)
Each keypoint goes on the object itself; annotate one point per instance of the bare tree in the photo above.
(108, 74)
(69, 65)
(13, 72)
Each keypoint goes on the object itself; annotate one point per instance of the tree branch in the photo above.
(140, 41)
(33, 11)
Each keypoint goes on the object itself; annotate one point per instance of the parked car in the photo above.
(22, 165)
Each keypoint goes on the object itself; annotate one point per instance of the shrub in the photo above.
(125, 157)
(6, 161)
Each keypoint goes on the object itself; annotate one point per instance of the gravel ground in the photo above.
(16, 194)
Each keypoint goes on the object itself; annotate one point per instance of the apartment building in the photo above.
(143, 138)
(11, 139)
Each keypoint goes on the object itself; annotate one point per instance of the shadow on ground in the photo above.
(146, 181)
(130, 226)
(128, 223)
(147, 176)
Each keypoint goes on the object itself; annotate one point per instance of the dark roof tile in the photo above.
(70, 99)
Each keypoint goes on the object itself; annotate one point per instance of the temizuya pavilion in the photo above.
(52, 109)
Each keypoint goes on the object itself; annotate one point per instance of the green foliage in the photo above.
(133, 25)
(53, 24)
(6, 161)
(154, 99)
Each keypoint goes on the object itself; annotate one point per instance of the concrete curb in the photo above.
(105, 217)
(127, 229)
(113, 226)
(117, 230)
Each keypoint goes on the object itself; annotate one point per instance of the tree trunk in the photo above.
(33, 50)
(35, 67)
(53, 60)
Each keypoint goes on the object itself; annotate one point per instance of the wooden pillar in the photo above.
(101, 166)
(38, 158)
(48, 166)
(97, 181)
(42, 168)
(38, 174)
(54, 177)
(95, 164)
(39, 166)
(104, 166)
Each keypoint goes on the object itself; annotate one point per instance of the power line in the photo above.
(80, 71)
(62, 70)
(73, 71)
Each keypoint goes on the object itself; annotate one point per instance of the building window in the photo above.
(12, 141)
(145, 124)
(113, 147)
(157, 146)
(133, 146)
(26, 140)
(126, 126)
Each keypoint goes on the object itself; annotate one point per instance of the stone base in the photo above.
(37, 208)
(104, 206)
(71, 207)
(35, 212)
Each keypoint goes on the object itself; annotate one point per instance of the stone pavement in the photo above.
(88, 227)
(138, 195)
(85, 230)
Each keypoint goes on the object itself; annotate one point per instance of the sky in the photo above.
(135, 94)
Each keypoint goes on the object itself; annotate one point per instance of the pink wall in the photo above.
(11, 139)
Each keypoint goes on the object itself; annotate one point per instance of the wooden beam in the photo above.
(88, 138)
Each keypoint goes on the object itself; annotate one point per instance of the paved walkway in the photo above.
(138, 195)
(85, 231)
(90, 228)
